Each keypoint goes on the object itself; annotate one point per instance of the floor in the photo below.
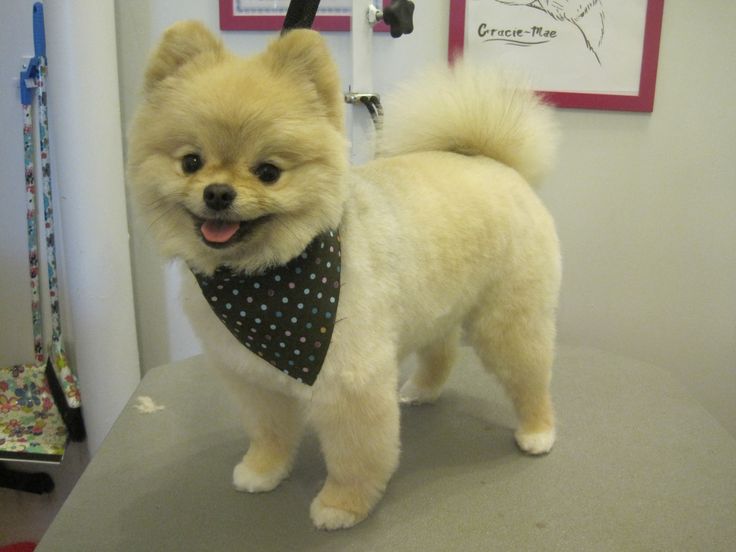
(24, 516)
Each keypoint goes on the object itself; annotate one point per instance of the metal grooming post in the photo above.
(361, 92)
(361, 82)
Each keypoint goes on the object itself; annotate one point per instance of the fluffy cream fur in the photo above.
(442, 237)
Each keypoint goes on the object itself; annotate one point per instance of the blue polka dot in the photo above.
(285, 300)
(256, 285)
(228, 306)
(297, 352)
(277, 278)
(242, 313)
(328, 314)
(279, 314)
(264, 307)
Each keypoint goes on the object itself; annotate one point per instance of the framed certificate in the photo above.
(266, 15)
(590, 54)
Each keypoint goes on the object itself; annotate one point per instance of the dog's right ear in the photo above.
(181, 43)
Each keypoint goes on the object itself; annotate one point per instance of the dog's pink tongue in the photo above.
(219, 232)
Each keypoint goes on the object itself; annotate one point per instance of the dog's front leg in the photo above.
(274, 423)
(359, 432)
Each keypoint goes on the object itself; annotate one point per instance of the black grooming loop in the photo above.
(300, 14)
(398, 16)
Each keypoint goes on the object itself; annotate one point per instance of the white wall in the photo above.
(644, 202)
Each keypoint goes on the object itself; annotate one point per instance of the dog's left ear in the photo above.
(304, 55)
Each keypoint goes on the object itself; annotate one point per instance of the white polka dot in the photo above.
(213, 298)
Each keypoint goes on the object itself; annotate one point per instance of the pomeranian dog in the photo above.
(310, 280)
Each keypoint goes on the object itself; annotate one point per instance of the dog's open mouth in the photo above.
(218, 233)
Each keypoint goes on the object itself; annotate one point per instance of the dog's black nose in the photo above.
(219, 196)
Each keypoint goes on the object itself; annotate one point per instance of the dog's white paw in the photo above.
(536, 443)
(247, 480)
(412, 394)
(326, 517)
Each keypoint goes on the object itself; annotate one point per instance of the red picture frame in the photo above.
(643, 101)
(229, 21)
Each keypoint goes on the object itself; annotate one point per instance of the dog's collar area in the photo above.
(287, 314)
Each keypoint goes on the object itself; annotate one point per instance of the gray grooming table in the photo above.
(638, 465)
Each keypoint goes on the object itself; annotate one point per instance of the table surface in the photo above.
(639, 465)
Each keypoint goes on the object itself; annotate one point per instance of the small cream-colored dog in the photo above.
(240, 165)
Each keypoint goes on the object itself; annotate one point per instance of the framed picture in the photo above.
(589, 54)
(268, 15)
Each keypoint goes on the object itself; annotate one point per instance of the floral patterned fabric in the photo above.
(30, 423)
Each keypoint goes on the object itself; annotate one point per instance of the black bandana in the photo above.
(286, 315)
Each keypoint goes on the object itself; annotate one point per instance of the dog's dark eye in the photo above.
(267, 173)
(191, 163)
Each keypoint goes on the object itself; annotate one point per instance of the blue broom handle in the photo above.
(39, 32)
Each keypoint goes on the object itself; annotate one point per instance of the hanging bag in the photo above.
(40, 406)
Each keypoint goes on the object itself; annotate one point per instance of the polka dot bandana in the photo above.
(286, 315)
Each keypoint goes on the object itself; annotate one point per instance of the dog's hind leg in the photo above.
(435, 365)
(517, 345)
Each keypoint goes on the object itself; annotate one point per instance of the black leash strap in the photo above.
(300, 15)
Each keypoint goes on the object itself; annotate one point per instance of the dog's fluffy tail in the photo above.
(473, 111)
